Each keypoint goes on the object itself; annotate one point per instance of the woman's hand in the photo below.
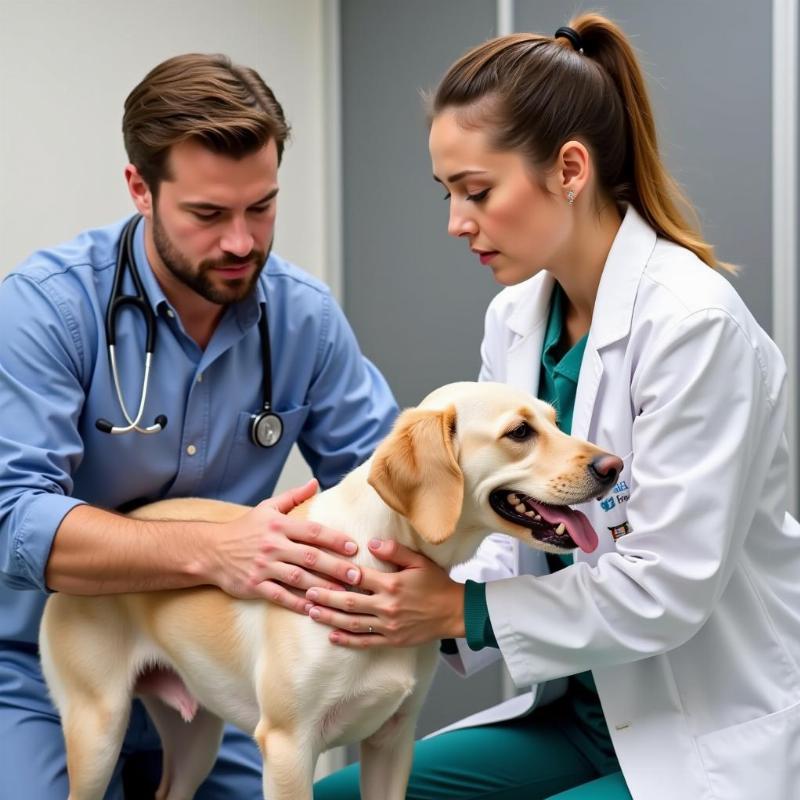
(270, 555)
(417, 604)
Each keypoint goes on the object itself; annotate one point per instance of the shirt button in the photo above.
(170, 313)
(191, 449)
(200, 378)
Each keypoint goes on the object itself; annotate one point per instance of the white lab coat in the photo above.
(690, 618)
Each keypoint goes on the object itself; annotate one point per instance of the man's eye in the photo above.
(522, 432)
(206, 215)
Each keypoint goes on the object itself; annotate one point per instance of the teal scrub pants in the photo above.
(530, 758)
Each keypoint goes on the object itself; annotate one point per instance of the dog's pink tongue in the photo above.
(576, 523)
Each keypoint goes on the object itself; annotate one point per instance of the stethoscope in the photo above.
(266, 427)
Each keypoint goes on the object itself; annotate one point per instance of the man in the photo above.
(204, 138)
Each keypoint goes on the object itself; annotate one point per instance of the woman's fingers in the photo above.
(348, 601)
(345, 622)
(351, 615)
(276, 593)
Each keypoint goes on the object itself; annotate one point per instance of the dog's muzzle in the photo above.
(558, 526)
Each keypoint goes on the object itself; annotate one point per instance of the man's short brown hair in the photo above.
(227, 108)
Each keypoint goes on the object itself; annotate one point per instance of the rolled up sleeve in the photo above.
(41, 396)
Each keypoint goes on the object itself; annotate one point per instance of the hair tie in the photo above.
(571, 34)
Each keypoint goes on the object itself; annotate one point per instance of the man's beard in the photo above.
(200, 279)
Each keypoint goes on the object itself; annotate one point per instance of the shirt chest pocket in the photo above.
(245, 458)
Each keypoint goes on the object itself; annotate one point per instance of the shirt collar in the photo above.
(555, 328)
(155, 294)
(569, 365)
(622, 274)
(248, 311)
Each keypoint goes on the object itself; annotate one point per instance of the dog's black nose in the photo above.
(606, 469)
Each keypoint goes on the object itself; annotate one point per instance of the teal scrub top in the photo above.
(558, 383)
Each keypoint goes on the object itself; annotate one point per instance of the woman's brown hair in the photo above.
(227, 108)
(539, 92)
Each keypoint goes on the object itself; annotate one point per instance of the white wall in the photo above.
(65, 70)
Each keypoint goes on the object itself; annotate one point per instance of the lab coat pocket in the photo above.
(758, 758)
(244, 455)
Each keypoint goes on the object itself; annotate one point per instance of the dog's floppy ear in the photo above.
(415, 472)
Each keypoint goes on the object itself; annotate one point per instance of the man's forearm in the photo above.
(99, 552)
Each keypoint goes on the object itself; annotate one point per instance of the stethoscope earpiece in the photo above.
(266, 429)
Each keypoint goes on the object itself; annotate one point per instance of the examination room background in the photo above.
(358, 206)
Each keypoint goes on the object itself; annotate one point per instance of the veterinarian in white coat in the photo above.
(688, 612)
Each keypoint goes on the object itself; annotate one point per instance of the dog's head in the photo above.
(488, 457)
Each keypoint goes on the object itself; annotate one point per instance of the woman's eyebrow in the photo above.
(459, 175)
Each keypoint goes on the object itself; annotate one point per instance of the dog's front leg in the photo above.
(288, 763)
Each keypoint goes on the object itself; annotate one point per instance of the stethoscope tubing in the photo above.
(133, 424)
(266, 426)
(125, 258)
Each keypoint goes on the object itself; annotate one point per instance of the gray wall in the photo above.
(708, 65)
(415, 296)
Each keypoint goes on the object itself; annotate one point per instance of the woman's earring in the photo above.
(570, 197)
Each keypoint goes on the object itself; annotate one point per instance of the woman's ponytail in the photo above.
(653, 191)
(533, 93)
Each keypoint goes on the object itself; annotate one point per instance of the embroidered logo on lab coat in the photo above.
(619, 495)
(621, 492)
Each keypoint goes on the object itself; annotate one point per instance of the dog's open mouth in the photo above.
(559, 526)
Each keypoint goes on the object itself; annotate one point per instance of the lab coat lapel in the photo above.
(611, 323)
(528, 324)
(613, 313)
(586, 393)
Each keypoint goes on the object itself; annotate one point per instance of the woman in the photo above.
(684, 622)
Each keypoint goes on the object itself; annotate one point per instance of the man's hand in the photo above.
(266, 554)
(417, 604)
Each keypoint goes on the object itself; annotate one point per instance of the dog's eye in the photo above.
(522, 432)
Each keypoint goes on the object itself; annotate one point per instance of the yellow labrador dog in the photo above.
(471, 459)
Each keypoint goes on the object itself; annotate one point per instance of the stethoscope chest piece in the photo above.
(266, 429)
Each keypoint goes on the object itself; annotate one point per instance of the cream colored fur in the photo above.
(273, 672)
